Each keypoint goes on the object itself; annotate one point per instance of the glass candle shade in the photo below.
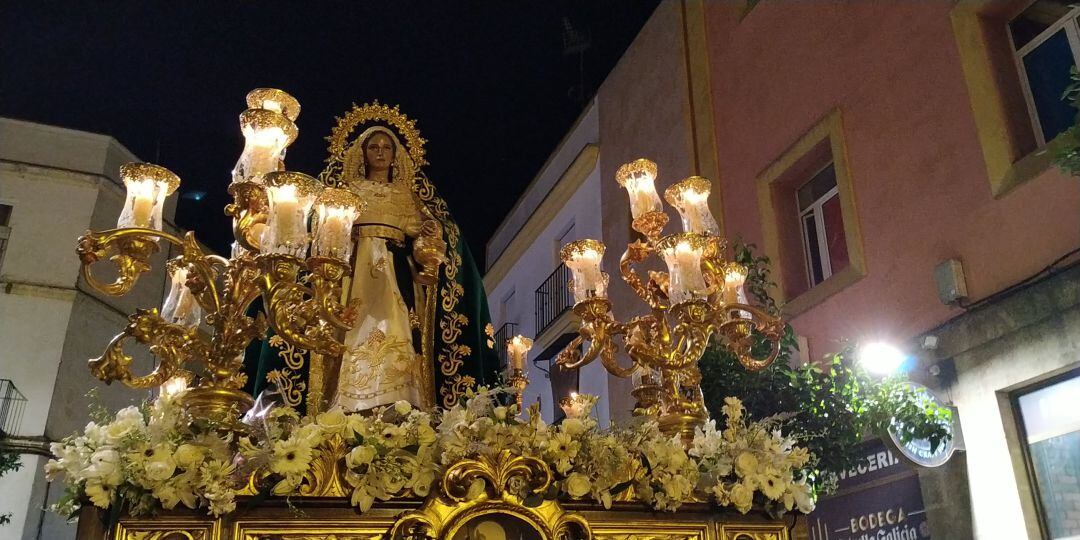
(643, 376)
(290, 196)
(638, 178)
(583, 258)
(266, 134)
(335, 211)
(180, 306)
(734, 281)
(275, 100)
(147, 186)
(517, 348)
(691, 198)
(572, 406)
(682, 253)
(175, 385)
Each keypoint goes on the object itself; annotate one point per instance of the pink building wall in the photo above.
(919, 176)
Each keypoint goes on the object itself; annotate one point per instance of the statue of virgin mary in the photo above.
(422, 332)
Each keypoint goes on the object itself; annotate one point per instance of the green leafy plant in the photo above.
(9, 461)
(1065, 148)
(831, 405)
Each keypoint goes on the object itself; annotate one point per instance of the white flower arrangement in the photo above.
(148, 457)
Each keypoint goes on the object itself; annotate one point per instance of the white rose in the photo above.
(573, 427)
(188, 455)
(105, 466)
(746, 464)
(742, 497)
(333, 421)
(116, 431)
(500, 413)
(578, 485)
(361, 455)
(421, 484)
(402, 407)
(160, 467)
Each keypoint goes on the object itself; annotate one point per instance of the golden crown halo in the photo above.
(376, 112)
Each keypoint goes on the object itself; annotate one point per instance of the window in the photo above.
(506, 308)
(824, 243)
(808, 218)
(1050, 425)
(1046, 41)
(5, 230)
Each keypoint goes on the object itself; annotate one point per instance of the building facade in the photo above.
(55, 184)
(894, 161)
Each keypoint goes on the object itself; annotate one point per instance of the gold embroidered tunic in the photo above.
(381, 364)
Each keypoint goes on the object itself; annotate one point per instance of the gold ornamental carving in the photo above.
(491, 485)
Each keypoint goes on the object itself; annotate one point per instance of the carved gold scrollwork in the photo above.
(169, 342)
(504, 477)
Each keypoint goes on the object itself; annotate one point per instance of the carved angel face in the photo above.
(378, 152)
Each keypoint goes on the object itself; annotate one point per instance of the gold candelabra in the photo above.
(700, 296)
(205, 324)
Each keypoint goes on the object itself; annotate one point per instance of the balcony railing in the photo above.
(505, 332)
(12, 404)
(553, 298)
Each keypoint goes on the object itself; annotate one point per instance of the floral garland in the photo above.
(149, 457)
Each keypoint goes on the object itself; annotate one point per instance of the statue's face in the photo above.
(379, 152)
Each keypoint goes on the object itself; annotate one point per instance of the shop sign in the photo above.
(878, 499)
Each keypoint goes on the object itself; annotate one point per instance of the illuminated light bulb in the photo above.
(881, 358)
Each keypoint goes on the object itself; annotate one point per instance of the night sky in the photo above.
(489, 83)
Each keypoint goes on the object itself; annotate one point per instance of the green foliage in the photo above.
(1066, 146)
(831, 405)
(9, 461)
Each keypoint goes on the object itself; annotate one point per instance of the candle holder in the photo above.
(696, 299)
(691, 198)
(583, 258)
(518, 348)
(335, 211)
(301, 296)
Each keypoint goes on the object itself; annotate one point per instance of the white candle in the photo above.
(684, 268)
(286, 211)
(142, 202)
(334, 235)
(583, 258)
(518, 347)
(638, 177)
(691, 198)
(734, 279)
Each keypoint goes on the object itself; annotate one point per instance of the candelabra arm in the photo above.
(737, 330)
(325, 279)
(649, 292)
(172, 344)
(202, 280)
(129, 249)
(292, 309)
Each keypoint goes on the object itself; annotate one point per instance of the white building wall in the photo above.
(60, 183)
(540, 258)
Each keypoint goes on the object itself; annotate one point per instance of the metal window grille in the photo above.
(12, 405)
(553, 298)
(505, 332)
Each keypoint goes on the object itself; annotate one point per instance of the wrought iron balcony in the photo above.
(12, 405)
(553, 298)
(504, 333)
